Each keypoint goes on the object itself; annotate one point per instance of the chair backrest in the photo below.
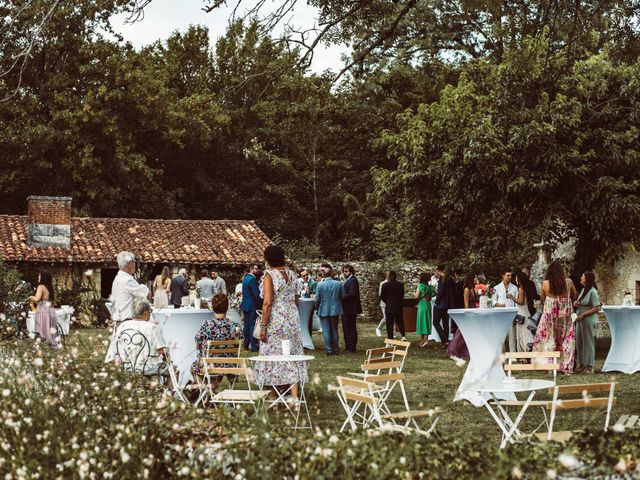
(401, 349)
(540, 361)
(134, 350)
(227, 347)
(584, 401)
(379, 366)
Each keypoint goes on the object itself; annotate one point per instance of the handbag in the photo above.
(519, 319)
(258, 326)
(533, 321)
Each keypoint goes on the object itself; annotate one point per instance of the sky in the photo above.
(163, 17)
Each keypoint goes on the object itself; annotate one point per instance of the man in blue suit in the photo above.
(329, 308)
(251, 302)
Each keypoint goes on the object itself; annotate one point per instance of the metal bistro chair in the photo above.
(134, 351)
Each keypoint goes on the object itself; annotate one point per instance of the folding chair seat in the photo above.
(584, 401)
(235, 366)
(628, 421)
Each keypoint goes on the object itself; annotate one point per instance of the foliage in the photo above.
(64, 413)
(519, 151)
(81, 293)
(13, 293)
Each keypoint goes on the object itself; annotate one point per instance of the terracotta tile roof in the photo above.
(98, 240)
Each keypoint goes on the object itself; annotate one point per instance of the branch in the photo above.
(23, 55)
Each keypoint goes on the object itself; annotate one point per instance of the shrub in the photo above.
(81, 293)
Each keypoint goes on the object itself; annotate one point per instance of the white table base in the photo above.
(281, 396)
(179, 327)
(484, 331)
(305, 312)
(624, 353)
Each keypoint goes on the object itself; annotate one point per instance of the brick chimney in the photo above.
(49, 221)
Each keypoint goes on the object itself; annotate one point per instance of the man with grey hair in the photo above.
(124, 290)
(179, 288)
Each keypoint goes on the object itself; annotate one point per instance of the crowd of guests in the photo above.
(176, 291)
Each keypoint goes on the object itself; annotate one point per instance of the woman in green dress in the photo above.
(424, 293)
(587, 307)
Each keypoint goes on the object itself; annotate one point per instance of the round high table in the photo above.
(484, 331)
(179, 327)
(281, 396)
(624, 353)
(305, 312)
(495, 388)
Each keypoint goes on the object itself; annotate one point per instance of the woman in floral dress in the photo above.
(280, 321)
(556, 330)
(217, 328)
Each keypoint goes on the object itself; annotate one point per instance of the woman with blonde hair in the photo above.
(161, 286)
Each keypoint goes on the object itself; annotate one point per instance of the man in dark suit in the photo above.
(351, 307)
(179, 288)
(251, 302)
(444, 300)
(392, 294)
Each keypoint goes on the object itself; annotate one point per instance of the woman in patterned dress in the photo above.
(46, 318)
(556, 330)
(217, 328)
(280, 321)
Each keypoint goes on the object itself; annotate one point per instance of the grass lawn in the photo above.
(432, 379)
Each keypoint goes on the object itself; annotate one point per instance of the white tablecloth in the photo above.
(305, 312)
(624, 354)
(63, 314)
(484, 331)
(179, 327)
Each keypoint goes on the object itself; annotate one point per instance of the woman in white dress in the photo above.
(524, 337)
(161, 287)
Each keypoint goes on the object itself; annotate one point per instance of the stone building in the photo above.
(614, 278)
(49, 237)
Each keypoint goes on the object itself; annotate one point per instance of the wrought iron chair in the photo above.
(134, 352)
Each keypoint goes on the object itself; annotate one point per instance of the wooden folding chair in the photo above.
(627, 421)
(365, 409)
(584, 401)
(360, 403)
(214, 350)
(539, 361)
(235, 366)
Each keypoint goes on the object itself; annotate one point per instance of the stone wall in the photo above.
(614, 278)
(370, 274)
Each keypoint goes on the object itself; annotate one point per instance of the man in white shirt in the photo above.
(124, 290)
(220, 286)
(503, 289)
(505, 294)
(382, 322)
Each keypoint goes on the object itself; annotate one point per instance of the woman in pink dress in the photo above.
(556, 330)
(46, 318)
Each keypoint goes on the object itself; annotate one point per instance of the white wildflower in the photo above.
(552, 474)
(568, 461)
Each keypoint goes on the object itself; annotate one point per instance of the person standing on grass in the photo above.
(351, 307)
(443, 301)
(424, 293)
(329, 307)
(556, 330)
(392, 295)
(205, 286)
(587, 307)
(251, 303)
(179, 288)
(382, 322)
(458, 346)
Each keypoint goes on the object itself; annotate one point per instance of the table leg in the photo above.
(495, 416)
(514, 428)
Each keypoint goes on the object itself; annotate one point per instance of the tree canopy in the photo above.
(462, 131)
